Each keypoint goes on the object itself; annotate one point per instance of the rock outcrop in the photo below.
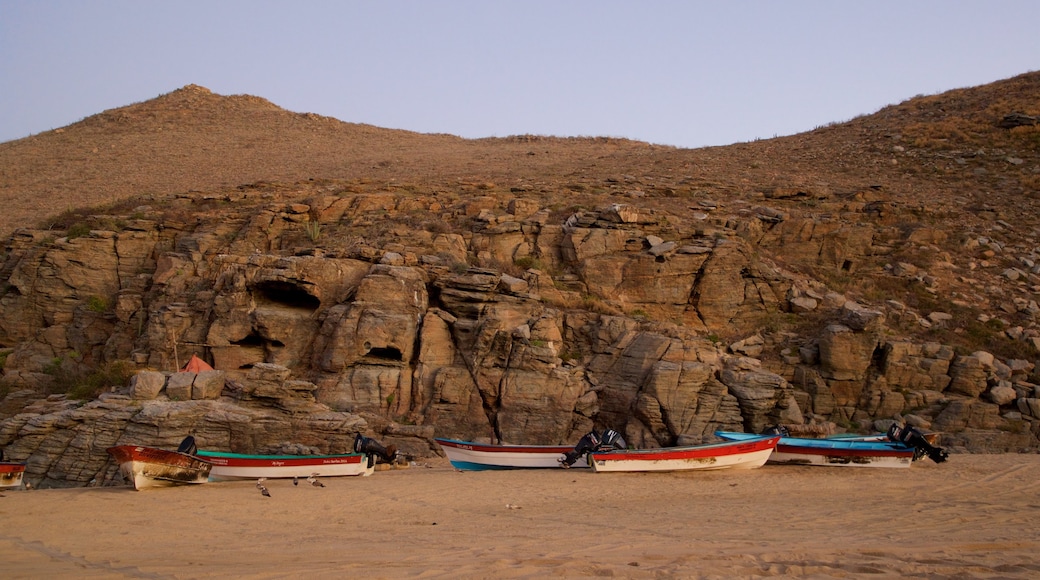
(613, 317)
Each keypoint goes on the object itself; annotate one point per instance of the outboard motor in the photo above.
(909, 435)
(371, 447)
(611, 439)
(592, 441)
(587, 443)
(188, 446)
(776, 430)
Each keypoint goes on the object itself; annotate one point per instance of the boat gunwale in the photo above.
(12, 467)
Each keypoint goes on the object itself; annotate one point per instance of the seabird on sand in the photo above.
(314, 480)
(295, 480)
(263, 490)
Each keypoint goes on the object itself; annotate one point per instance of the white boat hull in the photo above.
(231, 472)
(752, 460)
(149, 467)
(789, 458)
(481, 457)
(142, 475)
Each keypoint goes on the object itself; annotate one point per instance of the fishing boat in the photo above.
(11, 474)
(835, 452)
(149, 467)
(231, 466)
(747, 454)
(470, 456)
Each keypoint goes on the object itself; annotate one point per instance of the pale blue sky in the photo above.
(686, 73)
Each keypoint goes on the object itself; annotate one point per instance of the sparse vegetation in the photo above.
(527, 262)
(313, 230)
(79, 381)
(77, 230)
(98, 304)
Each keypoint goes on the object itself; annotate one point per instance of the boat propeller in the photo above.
(592, 441)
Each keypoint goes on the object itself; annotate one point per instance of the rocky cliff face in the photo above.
(327, 310)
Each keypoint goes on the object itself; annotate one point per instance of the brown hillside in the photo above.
(944, 148)
(938, 162)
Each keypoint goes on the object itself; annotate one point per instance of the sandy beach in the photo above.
(974, 516)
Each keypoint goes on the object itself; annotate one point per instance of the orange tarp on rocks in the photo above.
(195, 365)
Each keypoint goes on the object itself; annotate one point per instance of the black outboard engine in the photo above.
(776, 430)
(188, 446)
(592, 441)
(909, 435)
(611, 439)
(371, 448)
(587, 443)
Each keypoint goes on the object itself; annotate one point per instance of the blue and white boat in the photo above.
(470, 456)
(837, 452)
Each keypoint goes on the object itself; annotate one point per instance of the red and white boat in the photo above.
(11, 474)
(232, 466)
(149, 467)
(470, 456)
(747, 454)
(229, 466)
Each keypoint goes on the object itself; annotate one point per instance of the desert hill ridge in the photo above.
(193, 139)
(521, 289)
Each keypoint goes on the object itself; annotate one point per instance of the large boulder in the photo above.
(844, 353)
(968, 375)
(765, 398)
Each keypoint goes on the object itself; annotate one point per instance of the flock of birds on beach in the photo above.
(313, 480)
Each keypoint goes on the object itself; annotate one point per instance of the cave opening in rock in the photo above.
(286, 294)
(385, 353)
(255, 340)
(256, 347)
(878, 359)
(251, 340)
